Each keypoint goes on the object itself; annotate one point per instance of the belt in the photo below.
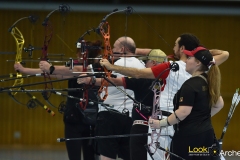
(140, 122)
(148, 109)
(166, 113)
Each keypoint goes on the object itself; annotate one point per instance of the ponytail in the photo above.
(214, 84)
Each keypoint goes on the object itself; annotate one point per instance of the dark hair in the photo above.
(188, 40)
(93, 52)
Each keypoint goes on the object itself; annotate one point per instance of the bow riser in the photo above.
(84, 52)
(17, 35)
(106, 53)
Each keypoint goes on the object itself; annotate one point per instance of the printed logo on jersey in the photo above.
(181, 99)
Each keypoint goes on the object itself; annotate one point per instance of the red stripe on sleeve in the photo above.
(124, 83)
(158, 69)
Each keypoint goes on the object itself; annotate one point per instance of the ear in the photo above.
(182, 48)
(123, 49)
(198, 62)
(181, 51)
(154, 62)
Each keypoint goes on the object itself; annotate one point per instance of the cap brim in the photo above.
(187, 52)
(143, 58)
(193, 52)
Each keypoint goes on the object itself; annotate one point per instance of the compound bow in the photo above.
(18, 36)
(47, 38)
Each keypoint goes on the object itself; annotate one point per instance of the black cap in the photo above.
(202, 54)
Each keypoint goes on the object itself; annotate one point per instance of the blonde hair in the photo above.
(214, 84)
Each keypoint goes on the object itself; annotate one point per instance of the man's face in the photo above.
(176, 49)
(117, 47)
(150, 63)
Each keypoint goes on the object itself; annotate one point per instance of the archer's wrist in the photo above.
(22, 70)
(164, 122)
(51, 69)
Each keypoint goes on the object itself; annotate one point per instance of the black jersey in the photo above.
(73, 113)
(194, 92)
(142, 94)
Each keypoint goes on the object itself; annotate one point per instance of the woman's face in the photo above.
(191, 64)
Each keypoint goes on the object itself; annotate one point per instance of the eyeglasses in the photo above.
(146, 61)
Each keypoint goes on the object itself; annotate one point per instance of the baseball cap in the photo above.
(202, 54)
(156, 55)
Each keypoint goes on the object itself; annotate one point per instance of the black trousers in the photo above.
(137, 149)
(113, 123)
(183, 146)
(75, 130)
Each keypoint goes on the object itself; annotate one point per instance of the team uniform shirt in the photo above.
(142, 94)
(72, 112)
(196, 129)
(194, 93)
(116, 97)
(172, 82)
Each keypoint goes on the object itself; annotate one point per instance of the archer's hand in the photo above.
(44, 66)
(154, 123)
(105, 63)
(84, 80)
(18, 67)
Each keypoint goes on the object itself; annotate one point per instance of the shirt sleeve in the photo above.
(160, 69)
(130, 83)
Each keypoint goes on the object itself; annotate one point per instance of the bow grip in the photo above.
(154, 116)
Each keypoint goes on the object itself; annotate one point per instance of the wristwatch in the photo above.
(51, 69)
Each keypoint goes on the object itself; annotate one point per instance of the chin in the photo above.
(176, 57)
(187, 71)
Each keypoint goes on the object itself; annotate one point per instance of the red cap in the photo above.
(193, 52)
(202, 54)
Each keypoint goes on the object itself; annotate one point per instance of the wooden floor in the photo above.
(32, 153)
(19, 152)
